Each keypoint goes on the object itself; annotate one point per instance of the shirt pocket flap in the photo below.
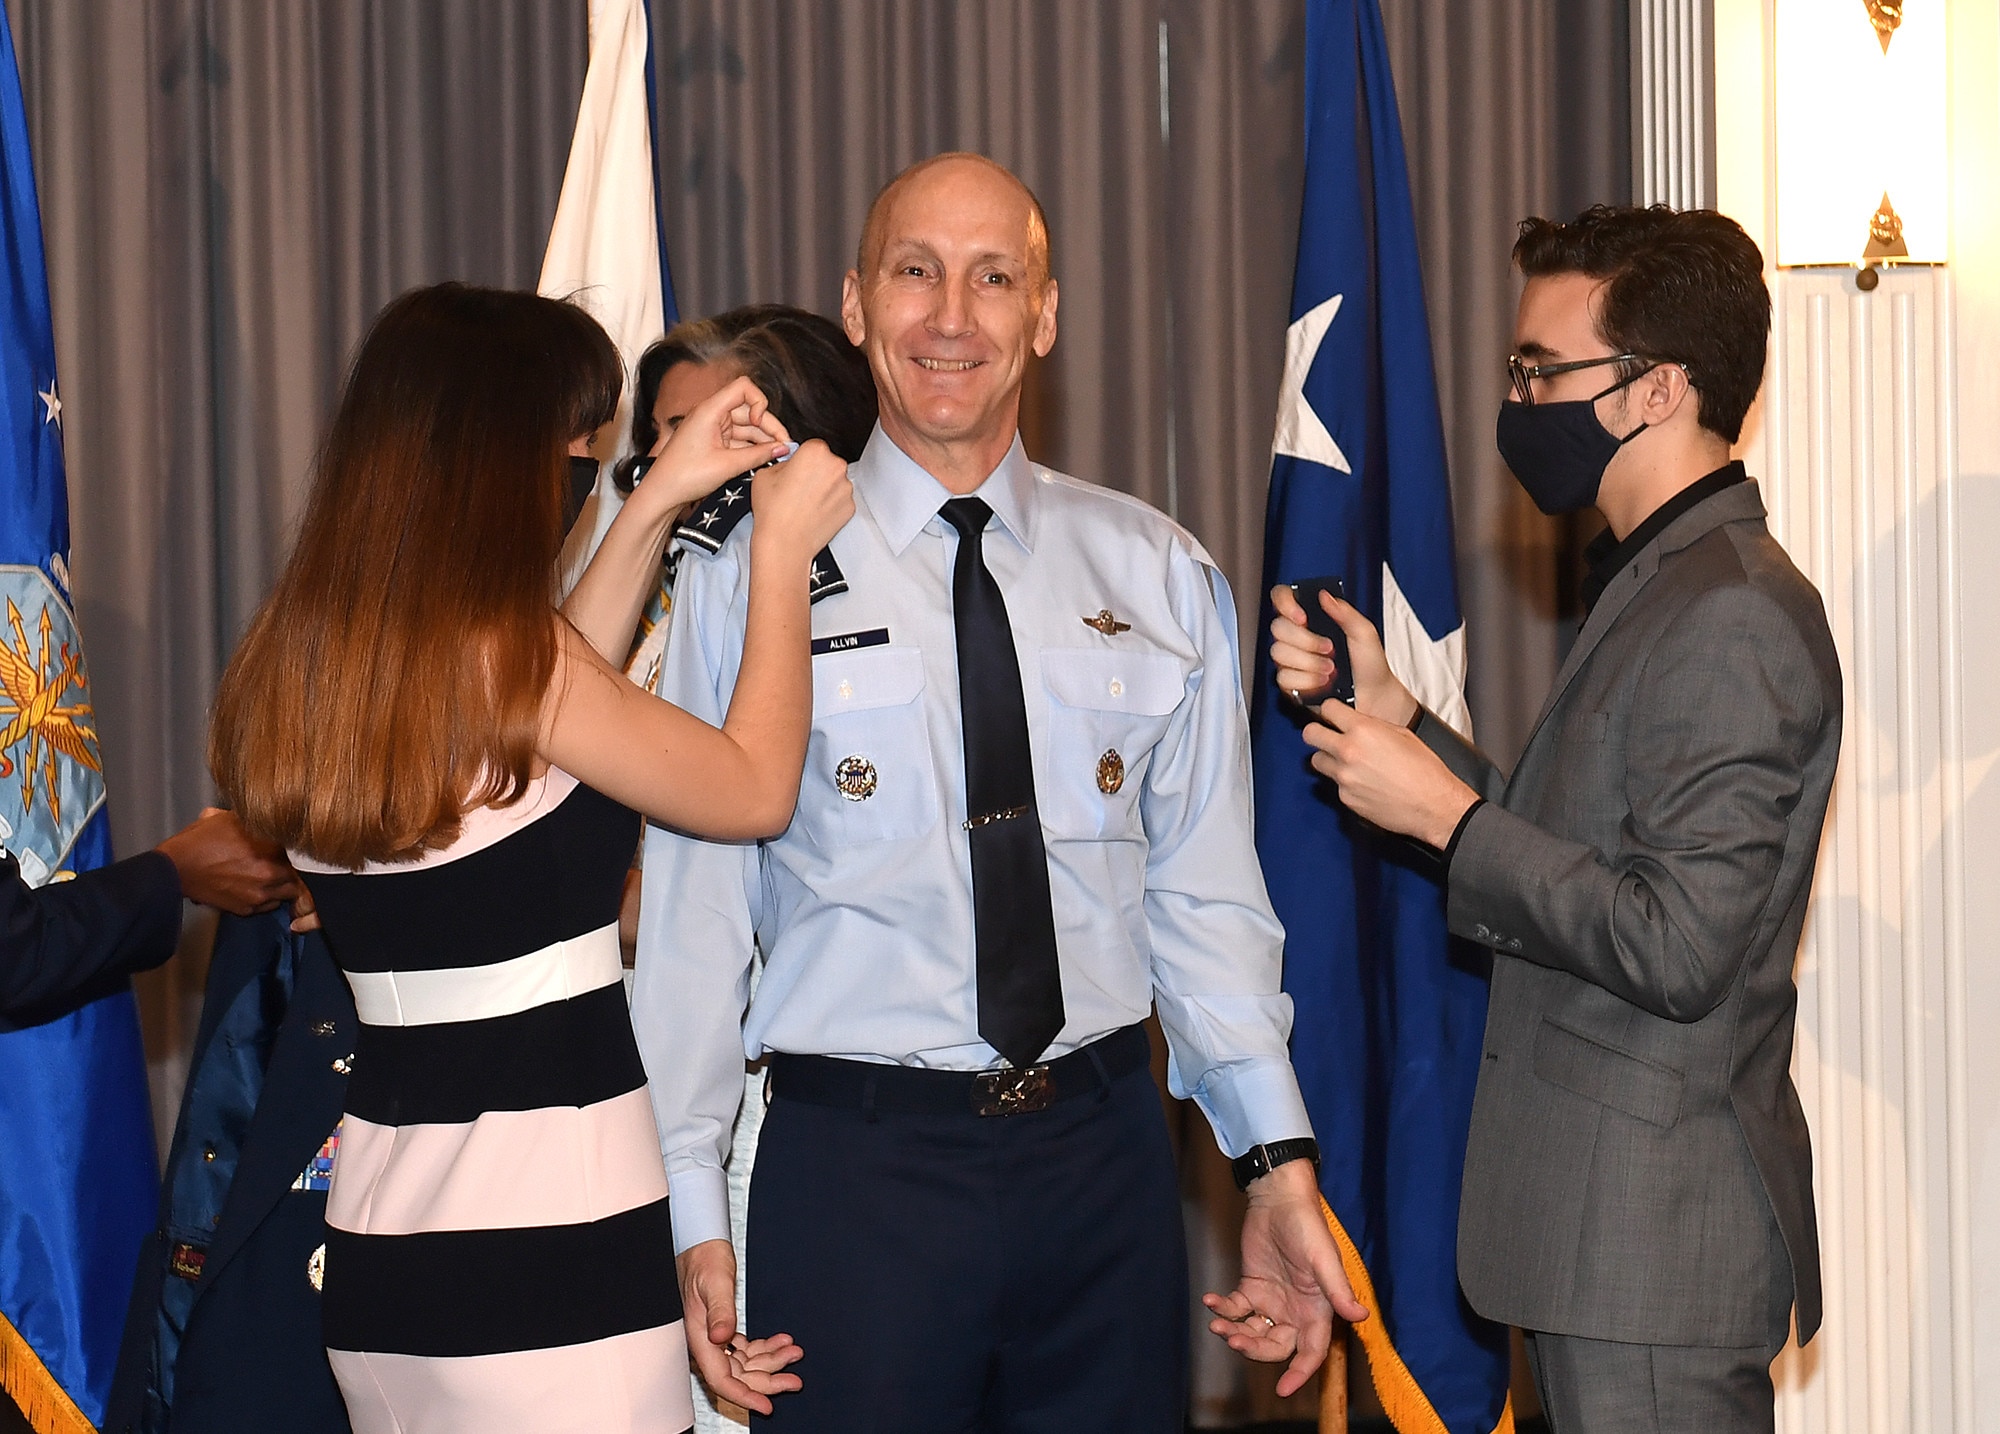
(872, 677)
(1148, 684)
(1608, 1076)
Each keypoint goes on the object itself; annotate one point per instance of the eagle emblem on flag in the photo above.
(51, 773)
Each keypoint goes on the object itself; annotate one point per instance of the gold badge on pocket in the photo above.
(855, 777)
(1110, 771)
(1105, 623)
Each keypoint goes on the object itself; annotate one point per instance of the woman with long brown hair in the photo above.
(455, 768)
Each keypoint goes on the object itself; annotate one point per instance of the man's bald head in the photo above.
(875, 228)
(952, 298)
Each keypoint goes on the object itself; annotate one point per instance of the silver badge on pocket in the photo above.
(855, 777)
(1110, 771)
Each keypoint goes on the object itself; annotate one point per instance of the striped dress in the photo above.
(498, 1249)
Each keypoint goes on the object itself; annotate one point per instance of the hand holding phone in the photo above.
(1321, 622)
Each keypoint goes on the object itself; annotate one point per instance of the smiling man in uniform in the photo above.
(1025, 823)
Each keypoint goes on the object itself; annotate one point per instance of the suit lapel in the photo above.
(1732, 505)
(301, 1101)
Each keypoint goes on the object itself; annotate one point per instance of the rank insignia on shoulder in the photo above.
(825, 578)
(1105, 623)
(710, 522)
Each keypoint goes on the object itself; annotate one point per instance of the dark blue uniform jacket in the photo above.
(72, 942)
(223, 1333)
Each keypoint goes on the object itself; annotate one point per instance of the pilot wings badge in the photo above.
(51, 773)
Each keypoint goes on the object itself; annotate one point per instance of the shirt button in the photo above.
(846, 689)
(1117, 688)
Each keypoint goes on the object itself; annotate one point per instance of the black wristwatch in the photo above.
(1261, 1160)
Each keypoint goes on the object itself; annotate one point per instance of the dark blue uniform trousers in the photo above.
(991, 1275)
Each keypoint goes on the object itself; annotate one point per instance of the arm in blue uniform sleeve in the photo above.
(697, 916)
(79, 938)
(1217, 945)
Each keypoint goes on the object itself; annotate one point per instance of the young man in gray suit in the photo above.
(1638, 1193)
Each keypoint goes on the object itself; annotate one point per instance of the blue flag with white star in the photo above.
(78, 1174)
(1389, 1010)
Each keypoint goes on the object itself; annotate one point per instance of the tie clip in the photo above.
(987, 820)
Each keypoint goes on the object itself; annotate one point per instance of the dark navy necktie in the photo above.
(1014, 926)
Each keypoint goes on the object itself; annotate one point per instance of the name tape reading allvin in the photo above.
(849, 641)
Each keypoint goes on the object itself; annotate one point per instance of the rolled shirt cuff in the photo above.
(699, 1200)
(1254, 1103)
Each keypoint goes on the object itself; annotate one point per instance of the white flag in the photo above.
(604, 247)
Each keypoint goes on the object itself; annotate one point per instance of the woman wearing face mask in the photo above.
(455, 767)
(817, 383)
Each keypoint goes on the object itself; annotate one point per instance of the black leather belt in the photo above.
(828, 1080)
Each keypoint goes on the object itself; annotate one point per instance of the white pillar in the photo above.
(1877, 441)
(1673, 109)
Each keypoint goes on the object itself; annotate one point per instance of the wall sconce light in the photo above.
(1861, 162)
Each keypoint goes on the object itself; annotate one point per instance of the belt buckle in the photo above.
(1013, 1092)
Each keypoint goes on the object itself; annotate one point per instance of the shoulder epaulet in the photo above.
(710, 522)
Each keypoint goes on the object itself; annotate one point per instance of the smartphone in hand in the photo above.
(1318, 620)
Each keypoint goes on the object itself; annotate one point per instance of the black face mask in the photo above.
(582, 479)
(1559, 451)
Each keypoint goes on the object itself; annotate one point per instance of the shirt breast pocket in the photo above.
(1107, 711)
(868, 762)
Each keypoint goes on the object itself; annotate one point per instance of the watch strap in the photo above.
(1261, 1160)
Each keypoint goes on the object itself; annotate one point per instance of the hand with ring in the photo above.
(761, 1356)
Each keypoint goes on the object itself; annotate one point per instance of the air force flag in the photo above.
(1389, 1011)
(77, 1172)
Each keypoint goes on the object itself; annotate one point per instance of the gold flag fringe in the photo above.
(47, 1406)
(1403, 1399)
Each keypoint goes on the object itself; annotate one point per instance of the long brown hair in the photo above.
(395, 676)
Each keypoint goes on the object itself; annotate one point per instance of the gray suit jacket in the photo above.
(1642, 880)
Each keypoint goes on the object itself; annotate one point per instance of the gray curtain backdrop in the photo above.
(1173, 216)
(1508, 110)
(231, 189)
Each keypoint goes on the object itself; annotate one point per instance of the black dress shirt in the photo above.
(1605, 557)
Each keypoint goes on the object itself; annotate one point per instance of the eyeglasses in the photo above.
(1524, 374)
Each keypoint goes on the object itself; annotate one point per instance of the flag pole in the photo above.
(1333, 1387)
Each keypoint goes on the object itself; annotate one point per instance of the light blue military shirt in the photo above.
(1126, 637)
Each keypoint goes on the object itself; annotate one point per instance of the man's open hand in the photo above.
(1292, 1283)
(743, 1371)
